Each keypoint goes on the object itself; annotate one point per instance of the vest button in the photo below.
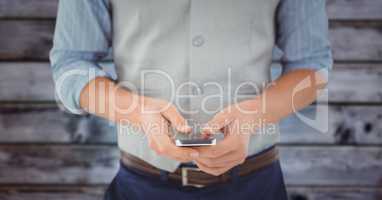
(197, 90)
(198, 41)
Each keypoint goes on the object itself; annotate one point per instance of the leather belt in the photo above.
(193, 176)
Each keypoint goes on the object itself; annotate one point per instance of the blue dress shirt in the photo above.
(83, 38)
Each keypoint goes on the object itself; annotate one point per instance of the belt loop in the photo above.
(163, 175)
(235, 174)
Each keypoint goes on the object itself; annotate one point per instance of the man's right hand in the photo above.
(153, 116)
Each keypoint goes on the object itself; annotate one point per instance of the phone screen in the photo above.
(195, 142)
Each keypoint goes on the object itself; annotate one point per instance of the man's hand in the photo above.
(237, 122)
(277, 101)
(155, 117)
(152, 116)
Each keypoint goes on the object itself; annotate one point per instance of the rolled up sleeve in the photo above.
(82, 39)
(302, 36)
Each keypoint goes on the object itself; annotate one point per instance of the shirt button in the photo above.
(198, 41)
(198, 91)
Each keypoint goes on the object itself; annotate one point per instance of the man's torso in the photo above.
(215, 52)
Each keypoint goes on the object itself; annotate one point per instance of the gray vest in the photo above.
(201, 55)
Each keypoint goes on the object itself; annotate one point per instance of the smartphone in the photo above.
(193, 139)
(195, 142)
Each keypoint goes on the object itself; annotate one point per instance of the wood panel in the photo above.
(26, 81)
(359, 125)
(47, 124)
(337, 9)
(25, 39)
(49, 193)
(334, 193)
(29, 81)
(347, 43)
(18, 125)
(354, 9)
(43, 9)
(345, 125)
(330, 166)
(356, 83)
(21, 81)
(56, 164)
(32, 40)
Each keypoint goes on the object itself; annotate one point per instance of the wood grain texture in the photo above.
(50, 193)
(346, 125)
(356, 41)
(26, 81)
(32, 40)
(29, 81)
(330, 166)
(337, 9)
(48, 124)
(56, 164)
(354, 9)
(42, 9)
(356, 83)
(22, 81)
(25, 39)
(334, 193)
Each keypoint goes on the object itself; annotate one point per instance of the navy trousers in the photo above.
(265, 184)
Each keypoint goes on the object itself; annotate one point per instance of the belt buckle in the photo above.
(184, 173)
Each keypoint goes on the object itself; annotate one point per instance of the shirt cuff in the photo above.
(321, 67)
(72, 79)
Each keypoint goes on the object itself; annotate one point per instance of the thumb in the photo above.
(176, 120)
(216, 124)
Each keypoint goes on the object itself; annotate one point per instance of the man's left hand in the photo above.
(237, 122)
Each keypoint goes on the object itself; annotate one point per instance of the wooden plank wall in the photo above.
(48, 154)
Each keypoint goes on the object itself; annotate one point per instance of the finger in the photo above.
(218, 150)
(176, 119)
(222, 148)
(217, 123)
(152, 144)
(166, 147)
(153, 124)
